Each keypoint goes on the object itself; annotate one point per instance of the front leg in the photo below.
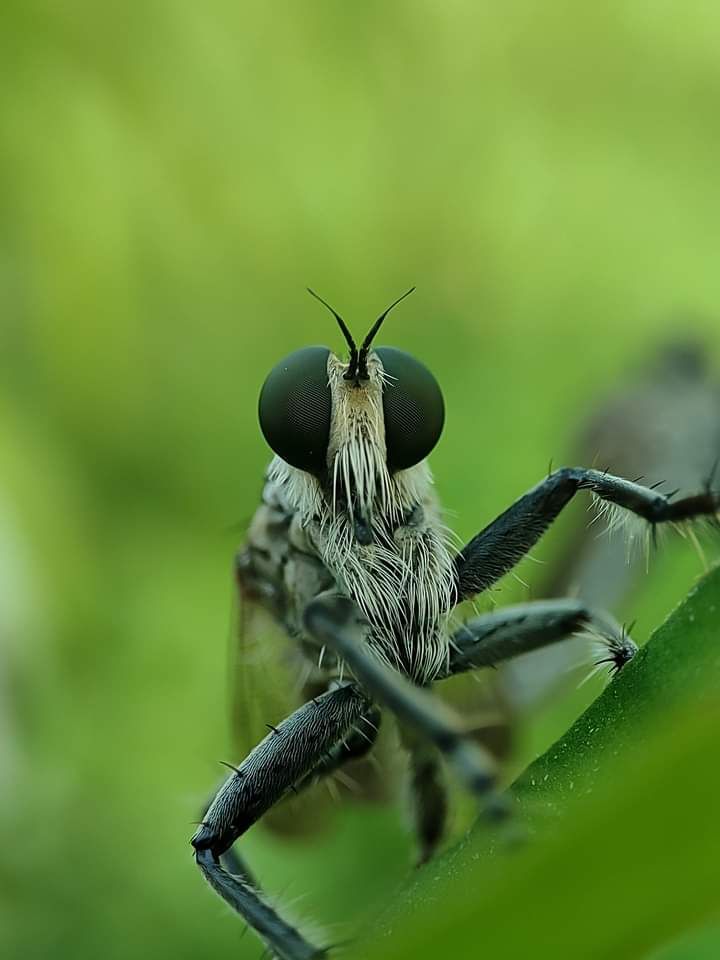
(336, 622)
(285, 757)
(494, 637)
(497, 548)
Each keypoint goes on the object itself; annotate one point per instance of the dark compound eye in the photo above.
(413, 406)
(295, 407)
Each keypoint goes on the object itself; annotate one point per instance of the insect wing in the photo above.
(270, 679)
(260, 690)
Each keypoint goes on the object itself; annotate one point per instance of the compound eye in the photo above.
(413, 406)
(295, 408)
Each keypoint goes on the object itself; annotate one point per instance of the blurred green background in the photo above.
(172, 175)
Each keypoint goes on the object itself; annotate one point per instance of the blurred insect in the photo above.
(349, 554)
(660, 423)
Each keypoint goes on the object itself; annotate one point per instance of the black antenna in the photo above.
(362, 372)
(352, 369)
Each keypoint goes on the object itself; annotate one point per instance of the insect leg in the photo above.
(231, 859)
(497, 548)
(494, 637)
(356, 744)
(428, 793)
(336, 621)
(289, 752)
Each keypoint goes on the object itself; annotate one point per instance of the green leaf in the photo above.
(613, 848)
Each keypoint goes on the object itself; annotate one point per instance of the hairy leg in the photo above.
(231, 859)
(487, 640)
(497, 548)
(359, 741)
(335, 621)
(285, 757)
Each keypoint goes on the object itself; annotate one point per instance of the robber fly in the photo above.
(349, 555)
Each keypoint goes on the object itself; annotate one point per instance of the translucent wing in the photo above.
(262, 688)
(269, 679)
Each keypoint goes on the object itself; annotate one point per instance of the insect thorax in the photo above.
(302, 544)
